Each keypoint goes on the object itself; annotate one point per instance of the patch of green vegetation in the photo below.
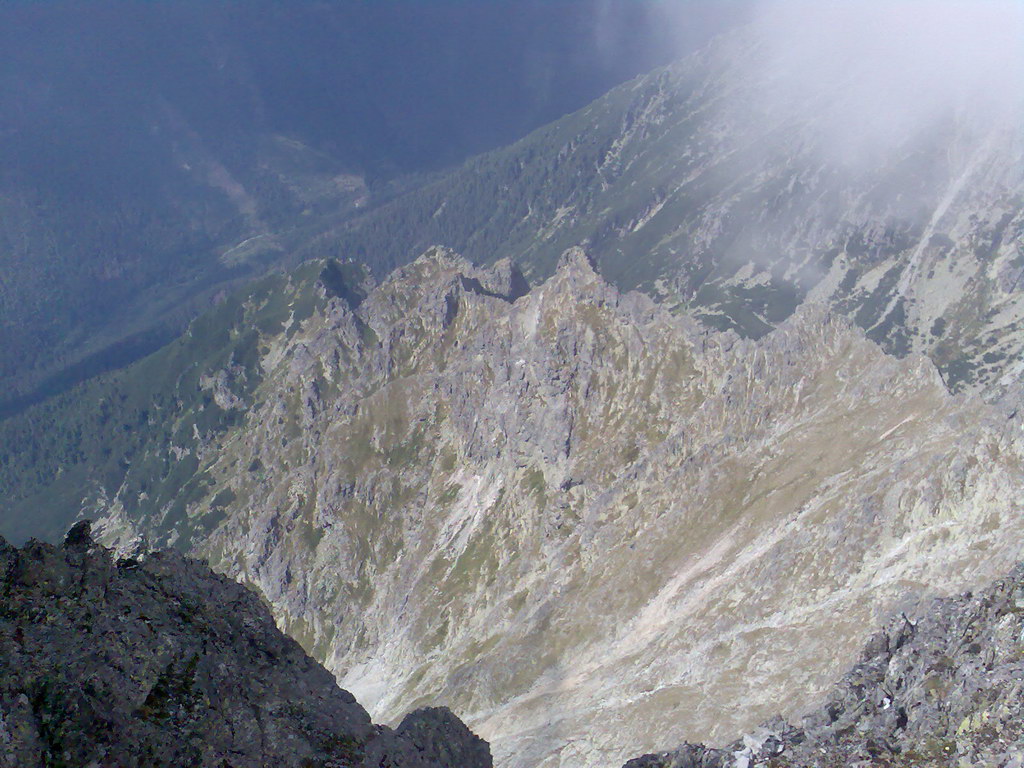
(630, 453)
(496, 204)
(139, 429)
(874, 304)
(223, 499)
(174, 690)
(750, 310)
(932, 752)
(437, 634)
(446, 463)
(450, 494)
(416, 677)
(533, 482)
(407, 452)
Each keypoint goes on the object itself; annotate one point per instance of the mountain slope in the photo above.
(91, 437)
(713, 187)
(160, 662)
(581, 521)
(938, 687)
(153, 154)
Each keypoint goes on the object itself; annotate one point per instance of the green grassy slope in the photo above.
(53, 454)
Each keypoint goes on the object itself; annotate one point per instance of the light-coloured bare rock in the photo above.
(589, 526)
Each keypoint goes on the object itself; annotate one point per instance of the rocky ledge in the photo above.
(160, 662)
(939, 686)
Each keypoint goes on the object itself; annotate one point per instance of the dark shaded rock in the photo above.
(444, 739)
(687, 756)
(160, 662)
(430, 736)
(80, 536)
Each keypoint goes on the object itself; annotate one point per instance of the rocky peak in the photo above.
(505, 279)
(577, 274)
(713, 185)
(427, 293)
(576, 259)
(157, 661)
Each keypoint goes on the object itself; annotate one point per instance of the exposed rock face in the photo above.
(441, 739)
(578, 520)
(942, 686)
(715, 185)
(160, 662)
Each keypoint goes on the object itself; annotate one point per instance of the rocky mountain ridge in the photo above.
(570, 501)
(712, 186)
(154, 156)
(159, 662)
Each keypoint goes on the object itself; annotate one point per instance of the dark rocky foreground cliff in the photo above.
(939, 686)
(161, 662)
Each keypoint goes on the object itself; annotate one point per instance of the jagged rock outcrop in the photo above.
(942, 685)
(160, 662)
(581, 521)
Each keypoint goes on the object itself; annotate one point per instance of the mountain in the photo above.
(594, 520)
(160, 662)
(153, 154)
(938, 687)
(717, 187)
(130, 197)
(583, 522)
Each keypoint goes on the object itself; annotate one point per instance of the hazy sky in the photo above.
(888, 69)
